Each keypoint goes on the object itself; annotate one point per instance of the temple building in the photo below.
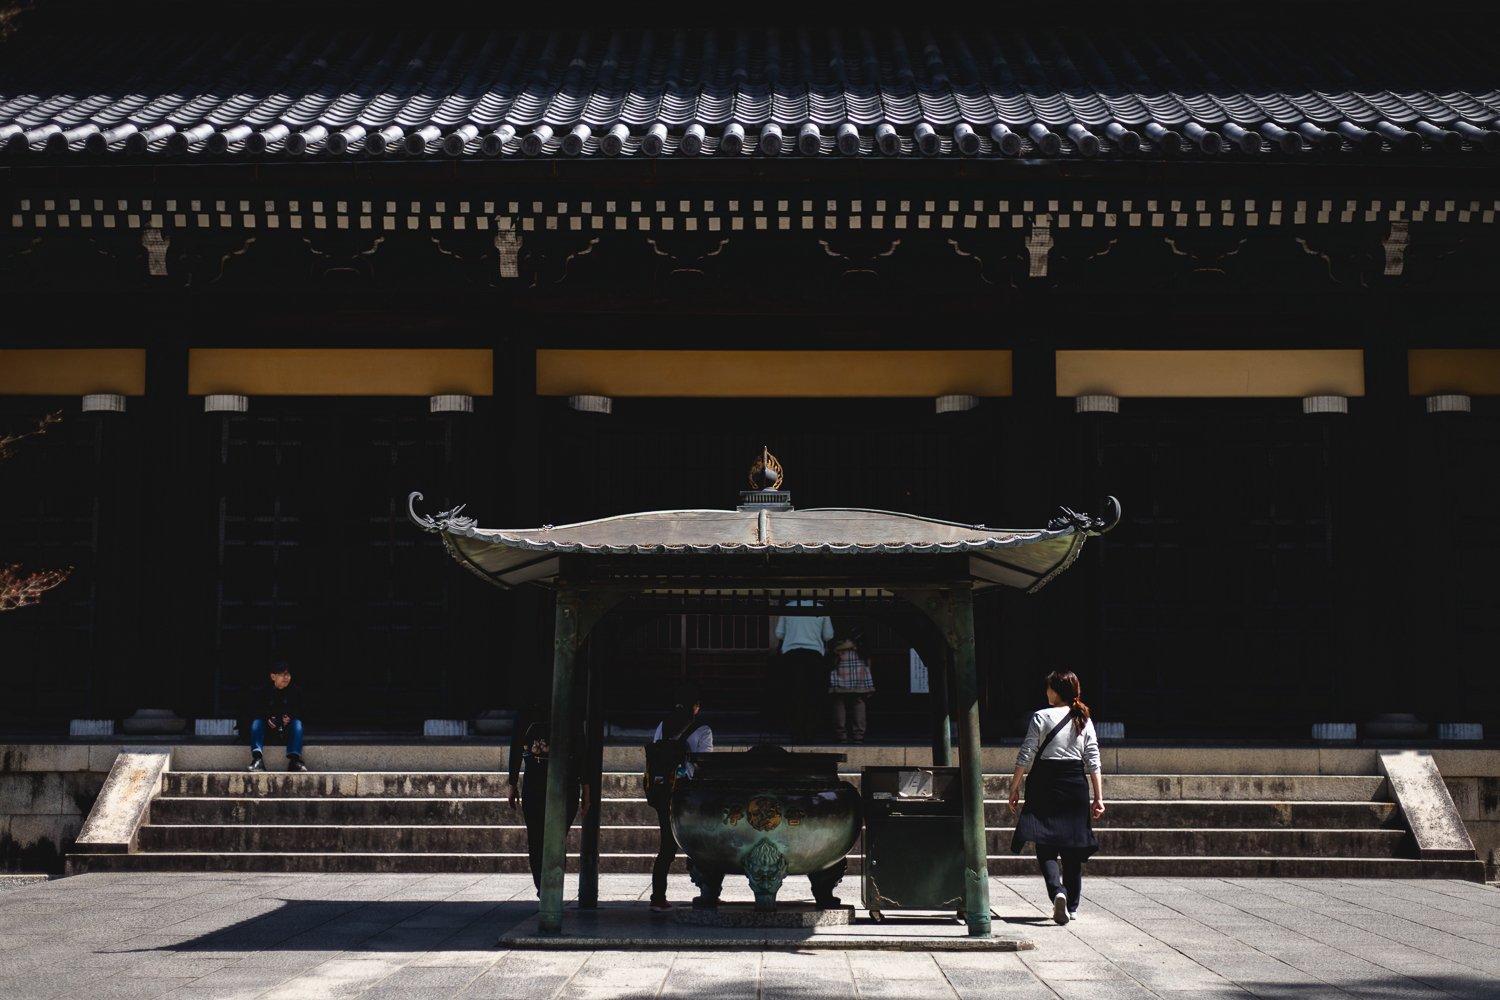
(276, 275)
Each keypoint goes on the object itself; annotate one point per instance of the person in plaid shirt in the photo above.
(849, 684)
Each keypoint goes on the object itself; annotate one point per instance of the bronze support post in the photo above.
(566, 638)
(951, 608)
(942, 711)
(971, 762)
(578, 609)
(593, 775)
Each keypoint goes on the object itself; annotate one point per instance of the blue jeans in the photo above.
(293, 737)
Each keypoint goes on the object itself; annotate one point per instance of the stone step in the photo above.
(369, 810)
(431, 839)
(490, 784)
(1000, 865)
(625, 754)
(1160, 787)
(337, 784)
(368, 839)
(1231, 787)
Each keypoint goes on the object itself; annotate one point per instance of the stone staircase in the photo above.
(1222, 825)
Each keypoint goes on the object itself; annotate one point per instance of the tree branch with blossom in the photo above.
(7, 441)
(18, 590)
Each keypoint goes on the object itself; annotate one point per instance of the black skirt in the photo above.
(1057, 808)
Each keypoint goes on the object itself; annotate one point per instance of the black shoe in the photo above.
(827, 903)
(257, 763)
(294, 764)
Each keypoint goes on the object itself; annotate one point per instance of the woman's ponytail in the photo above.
(1065, 684)
(1080, 714)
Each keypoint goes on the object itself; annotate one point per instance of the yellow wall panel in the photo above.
(339, 372)
(743, 374)
(72, 372)
(1467, 372)
(1210, 373)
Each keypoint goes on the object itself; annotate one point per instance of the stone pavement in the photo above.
(432, 937)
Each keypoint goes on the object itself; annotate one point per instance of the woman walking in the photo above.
(1063, 754)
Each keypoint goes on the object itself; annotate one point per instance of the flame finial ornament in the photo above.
(766, 473)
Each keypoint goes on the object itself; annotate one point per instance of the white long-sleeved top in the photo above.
(804, 633)
(1068, 744)
(700, 740)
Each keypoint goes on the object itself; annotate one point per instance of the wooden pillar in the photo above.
(1386, 572)
(1031, 441)
(164, 588)
(566, 637)
(518, 495)
(971, 762)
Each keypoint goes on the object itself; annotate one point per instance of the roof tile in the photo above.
(696, 92)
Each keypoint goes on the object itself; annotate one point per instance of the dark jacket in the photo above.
(531, 742)
(276, 702)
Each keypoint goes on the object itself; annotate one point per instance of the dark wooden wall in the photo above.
(1248, 592)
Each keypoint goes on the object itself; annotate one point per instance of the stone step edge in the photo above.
(1180, 864)
(1152, 858)
(639, 866)
(652, 826)
(1220, 775)
(636, 800)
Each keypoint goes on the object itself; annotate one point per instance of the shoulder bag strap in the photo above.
(1048, 738)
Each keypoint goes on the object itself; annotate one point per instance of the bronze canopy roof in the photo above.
(1025, 559)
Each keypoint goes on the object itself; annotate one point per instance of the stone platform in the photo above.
(635, 927)
(746, 916)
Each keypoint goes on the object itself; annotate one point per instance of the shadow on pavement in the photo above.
(362, 925)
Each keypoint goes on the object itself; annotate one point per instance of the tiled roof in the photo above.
(870, 92)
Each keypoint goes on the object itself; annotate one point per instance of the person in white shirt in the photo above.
(681, 724)
(1063, 754)
(804, 648)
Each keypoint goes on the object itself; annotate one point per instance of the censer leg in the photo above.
(709, 884)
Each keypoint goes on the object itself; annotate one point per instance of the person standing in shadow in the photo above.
(850, 684)
(804, 657)
(668, 762)
(531, 745)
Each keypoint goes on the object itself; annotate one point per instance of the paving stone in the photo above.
(974, 985)
(913, 988)
(514, 986)
(126, 989)
(813, 988)
(448, 980)
(465, 958)
(174, 965)
(1053, 971)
